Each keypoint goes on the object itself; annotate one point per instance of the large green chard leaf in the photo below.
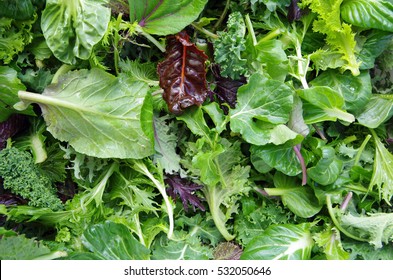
(263, 106)
(98, 114)
(111, 241)
(376, 14)
(72, 27)
(323, 104)
(356, 90)
(164, 17)
(281, 242)
(299, 199)
(9, 87)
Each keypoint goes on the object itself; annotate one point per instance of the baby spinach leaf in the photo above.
(356, 90)
(281, 242)
(327, 169)
(323, 104)
(98, 114)
(99, 239)
(165, 17)
(299, 199)
(376, 14)
(280, 157)
(263, 106)
(376, 111)
(182, 74)
(72, 28)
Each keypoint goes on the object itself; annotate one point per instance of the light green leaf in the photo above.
(339, 36)
(111, 241)
(165, 145)
(327, 169)
(376, 14)
(98, 114)
(262, 104)
(299, 199)
(377, 228)
(376, 112)
(323, 104)
(183, 247)
(356, 90)
(330, 241)
(165, 17)
(21, 248)
(382, 171)
(72, 28)
(9, 87)
(281, 242)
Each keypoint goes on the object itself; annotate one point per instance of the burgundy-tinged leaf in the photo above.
(180, 187)
(14, 124)
(226, 88)
(183, 74)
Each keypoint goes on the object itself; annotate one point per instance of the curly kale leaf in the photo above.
(229, 47)
(22, 177)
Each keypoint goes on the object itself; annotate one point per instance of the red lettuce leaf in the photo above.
(226, 88)
(180, 187)
(14, 124)
(182, 74)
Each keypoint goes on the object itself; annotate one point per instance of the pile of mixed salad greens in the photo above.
(196, 129)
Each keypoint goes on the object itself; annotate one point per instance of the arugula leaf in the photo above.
(263, 107)
(376, 14)
(281, 242)
(165, 143)
(382, 171)
(80, 23)
(165, 17)
(105, 115)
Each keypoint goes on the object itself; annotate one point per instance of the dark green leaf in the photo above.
(376, 14)
(165, 17)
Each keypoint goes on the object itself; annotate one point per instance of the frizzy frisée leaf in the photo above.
(98, 114)
(182, 74)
